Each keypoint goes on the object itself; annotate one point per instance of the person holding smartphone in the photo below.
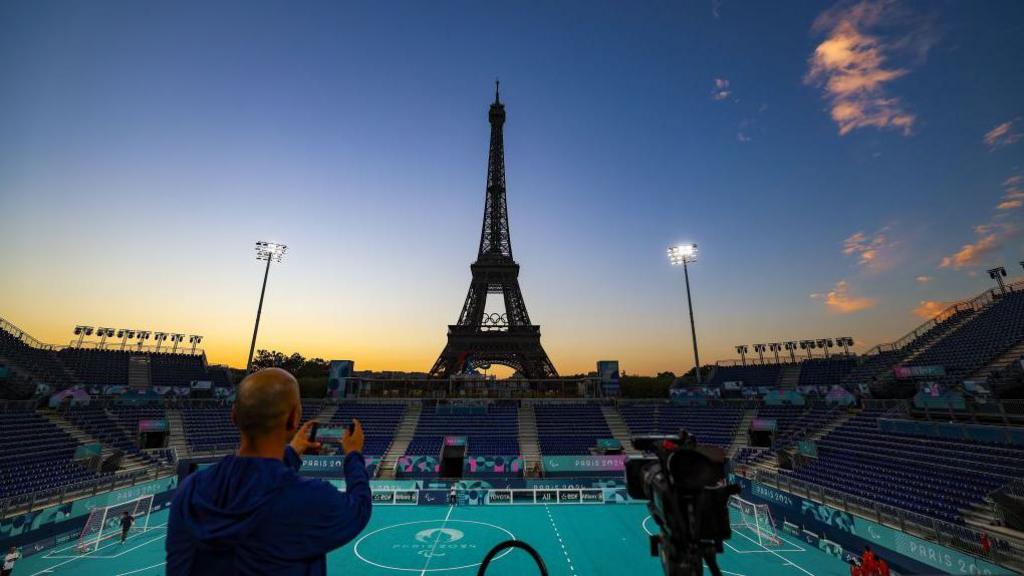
(252, 513)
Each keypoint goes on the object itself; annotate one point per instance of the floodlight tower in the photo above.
(271, 252)
(685, 254)
(997, 274)
(82, 331)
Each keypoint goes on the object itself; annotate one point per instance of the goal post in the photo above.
(104, 523)
(756, 518)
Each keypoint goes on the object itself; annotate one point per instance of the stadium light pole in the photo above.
(271, 252)
(685, 254)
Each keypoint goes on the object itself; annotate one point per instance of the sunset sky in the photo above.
(845, 168)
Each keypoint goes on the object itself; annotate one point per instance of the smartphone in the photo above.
(313, 430)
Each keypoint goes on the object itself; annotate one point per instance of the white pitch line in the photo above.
(51, 553)
(437, 539)
(140, 569)
(786, 561)
(87, 554)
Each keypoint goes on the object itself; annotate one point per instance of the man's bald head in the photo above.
(264, 401)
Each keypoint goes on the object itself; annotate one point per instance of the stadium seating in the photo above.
(991, 331)
(752, 375)
(209, 428)
(872, 366)
(931, 476)
(97, 367)
(117, 427)
(711, 425)
(493, 433)
(35, 455)
(176, 369)
(570, 428)
(41, 363)
(379, 422)
(825, 371)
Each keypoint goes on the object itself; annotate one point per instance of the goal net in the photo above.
(104, 523)
(757, 518)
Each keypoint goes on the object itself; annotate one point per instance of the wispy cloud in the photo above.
(871, 250)
(929, 309)
(1005, 134)
(852, 65)
(922, 279)
(1009, 204)
(990, 238)
(1014, 181)
(716, 8)
(841, 301)
(720, 90)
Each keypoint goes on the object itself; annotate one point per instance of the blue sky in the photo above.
(840, 166)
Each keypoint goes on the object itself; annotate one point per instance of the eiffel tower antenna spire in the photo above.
(480, 338)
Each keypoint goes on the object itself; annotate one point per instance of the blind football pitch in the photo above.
(574, 540)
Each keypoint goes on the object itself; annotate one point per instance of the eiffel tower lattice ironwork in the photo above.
(481, 338)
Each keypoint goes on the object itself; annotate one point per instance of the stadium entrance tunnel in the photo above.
(431, 545)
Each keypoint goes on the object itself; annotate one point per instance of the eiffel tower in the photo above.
(481, 338)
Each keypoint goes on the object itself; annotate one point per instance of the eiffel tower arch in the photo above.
(481, 338)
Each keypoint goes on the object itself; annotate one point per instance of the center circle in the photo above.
(431, 545)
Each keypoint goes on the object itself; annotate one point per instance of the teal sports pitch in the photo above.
(574, 540)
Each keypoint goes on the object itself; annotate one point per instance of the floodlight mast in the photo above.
(271, 252)
(685, 254)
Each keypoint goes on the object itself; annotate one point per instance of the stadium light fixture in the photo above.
(125, 335)
(103, 333)
(791, 348)
(176, 339)
(775, 347)
(271, 252)
(845, 342)
(194, 340)
(686, 254)
(742, 351)
(759, 348)
(82, 331)
(142, 335)
(997, 274)
(160, 338)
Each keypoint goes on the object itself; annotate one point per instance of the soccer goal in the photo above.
(104, 523)
(757, 518)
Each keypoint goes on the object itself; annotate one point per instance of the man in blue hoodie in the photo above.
(252, 513)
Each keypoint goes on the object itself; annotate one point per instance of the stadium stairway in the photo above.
(620, 431)
(327, 413)
(820, 433)
(130, 463)
(177, 440)
(741, 440)
(139, 374)
(529, 441)
(790, 376)
(403, 437)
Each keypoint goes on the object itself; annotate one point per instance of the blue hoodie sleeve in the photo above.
(320, 517)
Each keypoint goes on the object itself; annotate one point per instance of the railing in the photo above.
(957, 536)
(24, 337)
(976, 303)
(23, 503)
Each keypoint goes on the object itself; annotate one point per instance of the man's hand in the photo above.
(353, 441)
(300, 442)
